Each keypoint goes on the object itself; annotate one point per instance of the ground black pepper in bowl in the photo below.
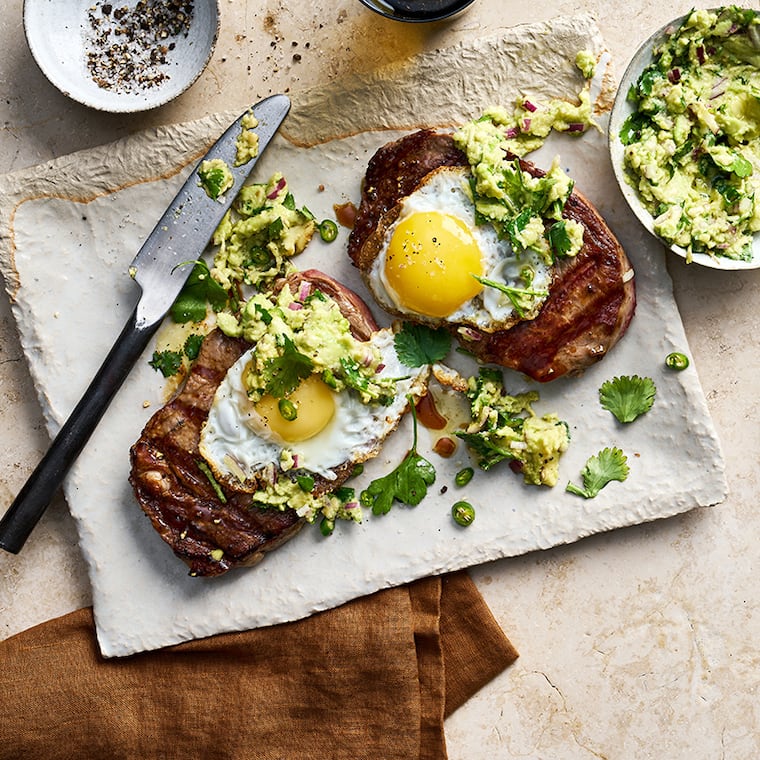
(128, 47)
(122, 56)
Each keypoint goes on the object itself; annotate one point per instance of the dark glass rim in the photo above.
(429, 10)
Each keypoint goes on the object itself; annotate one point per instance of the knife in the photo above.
(160, 268)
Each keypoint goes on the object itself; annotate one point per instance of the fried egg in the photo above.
(241, 438)
(431, 255)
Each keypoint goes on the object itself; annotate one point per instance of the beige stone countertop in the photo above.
(640, 643)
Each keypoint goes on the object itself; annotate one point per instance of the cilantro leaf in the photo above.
(408, 483)
(730, 194)
(633, 126)
(193, 345)
(354, 378)
(215, 178)
(201, 288)
(516, 225)
(559, 239)
(417, 345)
(608, 465)
(168, 362)
(628, 396)
(284, 373)
(487, 449)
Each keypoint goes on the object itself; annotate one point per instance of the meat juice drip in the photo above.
(345, 213)
(445, 446)
(428, 414)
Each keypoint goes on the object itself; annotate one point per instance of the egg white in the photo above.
(444, 191)
(236, 442)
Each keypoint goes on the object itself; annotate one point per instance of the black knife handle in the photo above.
(33, 499)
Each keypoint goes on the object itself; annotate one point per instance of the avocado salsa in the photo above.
(692, 143)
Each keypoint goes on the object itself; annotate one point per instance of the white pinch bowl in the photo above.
(61, 36)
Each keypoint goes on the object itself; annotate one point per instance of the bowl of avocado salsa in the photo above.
(684, 136)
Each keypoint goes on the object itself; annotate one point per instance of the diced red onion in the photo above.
(295, 460)
(351, 505)
(529, 106)
(526, 125)
(295, 306)
(701, 54)
(511, 132)
(380, 368)
(576, 127)
(304, 291)
(278, 187)
(674, 75)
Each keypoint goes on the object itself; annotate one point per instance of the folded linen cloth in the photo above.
(371, 679)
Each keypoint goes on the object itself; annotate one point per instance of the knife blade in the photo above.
(161, 268)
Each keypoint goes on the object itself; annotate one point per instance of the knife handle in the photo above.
(33, 499)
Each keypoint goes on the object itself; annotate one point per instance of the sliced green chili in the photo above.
(328, 230)
(463, 513)
(677, 361)
(287, 408)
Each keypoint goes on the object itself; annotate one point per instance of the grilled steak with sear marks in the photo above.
(210, 534)
(592, 297)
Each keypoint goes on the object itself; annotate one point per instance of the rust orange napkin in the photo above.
(372, 679)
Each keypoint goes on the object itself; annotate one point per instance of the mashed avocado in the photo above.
(247, 143)
(262, 231)
(505, 427)
(692, 144)
(215, 177)
(297, 335)
(585, 61)
(293, 492)
(524, 209)
(524, 128)
(527, 210)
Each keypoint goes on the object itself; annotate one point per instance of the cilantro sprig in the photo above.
(199, 290)
(602, 468)
(169, 362)
(408, 483)
(283, 373)
(628, 396)
(417, 345)
(522, 299)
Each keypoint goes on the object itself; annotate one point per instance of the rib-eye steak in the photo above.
(592, 295)
(207, 532)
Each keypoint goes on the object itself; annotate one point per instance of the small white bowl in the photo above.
(621, 110)
(98, 53)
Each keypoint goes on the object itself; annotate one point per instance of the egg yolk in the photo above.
(430, 261)
(314, 404)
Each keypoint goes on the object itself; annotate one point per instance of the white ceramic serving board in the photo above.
(70, 231)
